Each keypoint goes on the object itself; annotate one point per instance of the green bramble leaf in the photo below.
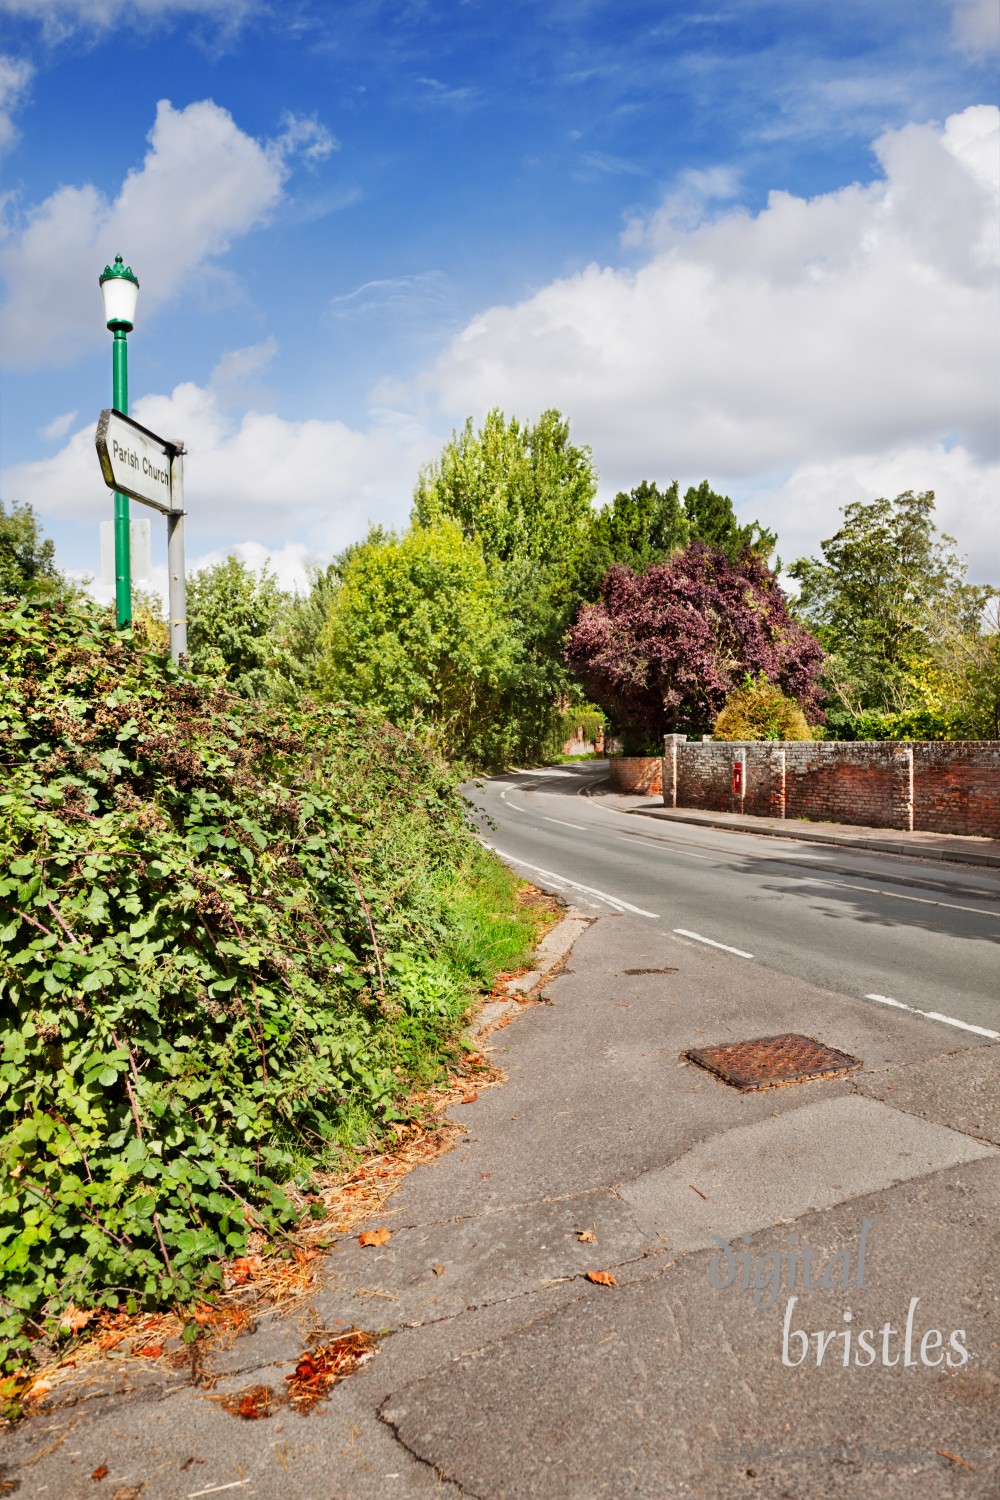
(202, 1023)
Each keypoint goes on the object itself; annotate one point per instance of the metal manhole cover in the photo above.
(767, 1062)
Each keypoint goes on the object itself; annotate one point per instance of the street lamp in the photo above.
(120, 289)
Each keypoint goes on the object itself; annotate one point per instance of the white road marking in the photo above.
(895, 896)
(665, 843)
(510, 805)
(562, 824)
(575, 884)
(683, 932)
(935, 1015)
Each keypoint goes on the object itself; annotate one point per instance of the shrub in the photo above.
(759, 710)
(232, 936)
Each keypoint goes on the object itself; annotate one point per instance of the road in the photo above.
(848, 921)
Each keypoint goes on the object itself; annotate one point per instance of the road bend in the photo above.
(900, 933)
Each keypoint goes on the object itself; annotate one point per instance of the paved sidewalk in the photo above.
(504, 1373)
(917, 845)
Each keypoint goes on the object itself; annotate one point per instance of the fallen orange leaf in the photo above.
(100, 1473)
(374, 1237)
(943, 1453)
(152, 1351)
(438, 1270)
(75, 1318)
(586, 1236)
(244, 1268)
(601, 1278)
(469, 1098)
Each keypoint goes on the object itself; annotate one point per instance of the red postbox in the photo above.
(737, 778)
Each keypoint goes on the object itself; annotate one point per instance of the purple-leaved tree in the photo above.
(661, 649)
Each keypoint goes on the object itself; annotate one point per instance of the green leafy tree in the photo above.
(711, 519)
(888, 592)
(418, 631)
(522, 492)
(967, 660)
(27, 560)
(641, 526)
(234, 615)
(298, 631)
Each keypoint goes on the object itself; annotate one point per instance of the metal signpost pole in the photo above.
(120, 287)
(177, 602)
(123, 539)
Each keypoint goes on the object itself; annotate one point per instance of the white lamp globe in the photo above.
(120, 289)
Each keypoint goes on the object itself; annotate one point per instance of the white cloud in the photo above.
(859, 322)
(235, 369)
(60, 18)
(313, 484)
(975, 26)
(305, 136)
(806, 507)
(203, 183)
(15, 76)
(289, 564)
(58, 427)
(437, 92)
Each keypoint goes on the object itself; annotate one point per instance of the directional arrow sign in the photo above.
(134, 461)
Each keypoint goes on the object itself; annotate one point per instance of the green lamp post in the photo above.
(120, 289)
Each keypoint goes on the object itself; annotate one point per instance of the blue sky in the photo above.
(748, 241)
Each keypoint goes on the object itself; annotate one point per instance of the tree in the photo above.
(969, 661)
(233, 619)
(417, 630)
(522, 492)
(711, 519)
(641, 526)
(661, 650)
(888, 593)
(27, 562)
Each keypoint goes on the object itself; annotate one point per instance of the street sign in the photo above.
(135, 462)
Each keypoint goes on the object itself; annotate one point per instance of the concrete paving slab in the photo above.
(776, 1170)
(672, 1388)
(430, 1272)
(949, 847)
(961, 1090)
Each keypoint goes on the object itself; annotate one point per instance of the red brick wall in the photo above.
(959, 786)
(939, 786)
(637, 773)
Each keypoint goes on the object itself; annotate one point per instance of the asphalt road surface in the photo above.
(874, 926)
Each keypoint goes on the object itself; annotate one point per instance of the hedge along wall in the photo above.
(940, 786)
